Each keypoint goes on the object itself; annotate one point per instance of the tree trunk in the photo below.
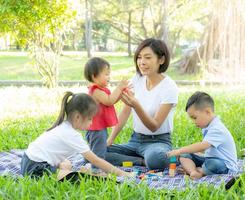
(190, 63)
(47, 59)
(164, 22)
(222, 54)
(88, 27)
(129, 33)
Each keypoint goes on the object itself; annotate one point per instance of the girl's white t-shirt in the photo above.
(165, 92)
(56, 145)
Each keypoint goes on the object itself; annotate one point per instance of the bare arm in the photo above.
(111, 99)
(193, 148)
(122, 119)
(104, 165)
(152, 123)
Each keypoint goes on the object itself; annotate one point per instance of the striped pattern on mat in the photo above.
(10, 165)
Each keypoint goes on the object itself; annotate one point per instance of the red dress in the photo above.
(106, 115)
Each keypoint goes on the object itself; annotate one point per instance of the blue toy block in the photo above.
(173, 159)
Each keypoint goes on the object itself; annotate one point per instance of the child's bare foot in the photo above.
(195, 175)
(200, 170)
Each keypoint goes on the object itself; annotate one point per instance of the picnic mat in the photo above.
(10, 165)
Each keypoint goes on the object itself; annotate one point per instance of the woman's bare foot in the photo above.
(195, 175)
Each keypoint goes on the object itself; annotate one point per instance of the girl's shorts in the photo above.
(35, 169)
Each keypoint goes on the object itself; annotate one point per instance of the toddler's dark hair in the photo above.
(200, 100)
(93, 67)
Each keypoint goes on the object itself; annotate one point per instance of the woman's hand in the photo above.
(129, 99)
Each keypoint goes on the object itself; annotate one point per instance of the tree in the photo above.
(131, 21)
(40, 25)
(101, 39)
(222, 52)
(88, 26)
(119, 16)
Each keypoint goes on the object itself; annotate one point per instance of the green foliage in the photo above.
(189, 22)
(39, 24)
(185, 20)
(28, 20)
(101, 39)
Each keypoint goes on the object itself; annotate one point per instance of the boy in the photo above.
(220, 150)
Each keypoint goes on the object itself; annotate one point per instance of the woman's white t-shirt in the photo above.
(56, 145)
(165, 92)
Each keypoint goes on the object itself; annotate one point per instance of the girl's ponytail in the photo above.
(61, 117)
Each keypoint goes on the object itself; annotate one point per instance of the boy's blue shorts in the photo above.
(210, 165)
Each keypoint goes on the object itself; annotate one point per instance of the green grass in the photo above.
(20, 67)
(27, 112)
(48, 188)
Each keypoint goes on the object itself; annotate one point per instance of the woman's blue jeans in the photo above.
(151, 148)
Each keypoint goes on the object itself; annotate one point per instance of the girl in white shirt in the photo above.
(152, 104)
(50, 150)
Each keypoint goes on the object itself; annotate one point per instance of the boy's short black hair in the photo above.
(200, 100)
(93, 67)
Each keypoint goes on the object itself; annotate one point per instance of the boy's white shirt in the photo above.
(166, 92)
(56, 145)
(222, 143)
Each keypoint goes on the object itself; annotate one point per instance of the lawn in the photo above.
(18, 66)
(27, 112)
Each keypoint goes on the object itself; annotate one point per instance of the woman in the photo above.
(152, 105)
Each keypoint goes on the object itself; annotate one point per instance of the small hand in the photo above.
(173, 153)
(109, 141)
(123, 84)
